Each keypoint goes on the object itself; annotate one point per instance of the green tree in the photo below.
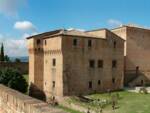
(7, 58)
(2, 57)
(13, 79)
(17, 60)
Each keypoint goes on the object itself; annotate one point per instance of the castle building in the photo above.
(72, 62)
(137, 54)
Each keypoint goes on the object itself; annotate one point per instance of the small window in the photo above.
(114, 64)
(89, 43)
(54, 62)
(100, 63)
(99, 82)
(38, 41)
(39, 49)
(45, 42)
(115, 44)
(142, 82)
(53, 84)
(91, 63)
(45, 61)
(75, 42)
(90, 84)
(113, 80)
(137, 68)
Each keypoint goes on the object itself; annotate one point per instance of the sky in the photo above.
(22, 18)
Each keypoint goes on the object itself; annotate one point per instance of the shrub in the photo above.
(13, 79)
(143, 90)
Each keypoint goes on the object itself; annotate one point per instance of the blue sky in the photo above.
(21, 18)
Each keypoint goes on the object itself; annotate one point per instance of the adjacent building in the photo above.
(137, 54)
(72, 62)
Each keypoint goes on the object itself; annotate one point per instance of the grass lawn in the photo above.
(68, 110)
(26, 77)
(128, 102)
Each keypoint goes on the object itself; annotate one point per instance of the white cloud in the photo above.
(24, 26)
(70, 29)
(25, 35)
(14, 47)
(10, 7)
(114, 23)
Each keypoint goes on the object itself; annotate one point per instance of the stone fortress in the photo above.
(72, 62)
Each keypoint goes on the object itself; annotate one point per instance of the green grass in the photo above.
(68, 110)
(26, 77)
(128, 102)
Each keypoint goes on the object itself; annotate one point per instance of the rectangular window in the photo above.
(75, 42)
(53, 84)
(114, 64)
(54, 62)
(115, 44)
(99, 82)
(38, 41)
(45, 61)
(113, 80)
(90, 84)
(45, 42)
(100, 63)
(91, 63)
(89, 43)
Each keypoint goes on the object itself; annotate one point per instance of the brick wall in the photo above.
(21, 66)
(12, 101)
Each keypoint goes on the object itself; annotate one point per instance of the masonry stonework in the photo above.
(21, 66)
(137, 54)
(12, 101)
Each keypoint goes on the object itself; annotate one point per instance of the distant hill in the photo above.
(23, 59)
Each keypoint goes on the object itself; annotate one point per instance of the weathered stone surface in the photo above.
(23, 67)
(137, 53)
(12, 101)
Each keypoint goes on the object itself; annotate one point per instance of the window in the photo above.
(45, 42)
(91, 63)
(114, 64)
(142, 82)
(53, 85)
(90, 84)
(115, 44)
(137, 68)
(100, 63)
(113, 80)
(45, 61)
(75, 42)
(99, 82)
(89, 43)
(54, 62)
(38, 41)
(39, 49)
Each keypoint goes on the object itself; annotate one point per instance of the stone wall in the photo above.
(12, 101)
(77, 74)
(137, 54)
(21, 66)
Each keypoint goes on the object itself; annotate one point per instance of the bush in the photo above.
(13, 79)
(143, 90)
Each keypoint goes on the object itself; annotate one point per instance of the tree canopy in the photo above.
(2, 56)
(13, 79)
